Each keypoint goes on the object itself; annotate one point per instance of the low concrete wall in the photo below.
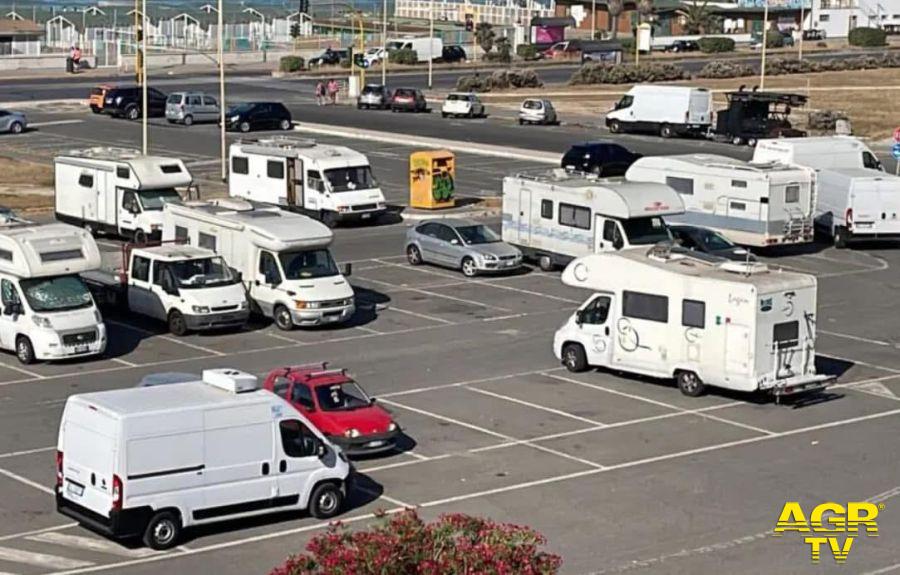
(661, 41)
(58, 61)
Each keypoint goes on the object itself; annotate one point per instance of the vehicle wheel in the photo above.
(283, 318)
(545, 263)
(574, 358)
(140, 237)
(244, 127)
(96, 110)
(177, 324)
(285, 125)
(162, 531)
(444, 114)
(690, 384)
(132, 113)
(414, 256)
(737, 140)
(471, 114)
(16, 128)
(24, 350)
(359, 106)
(329, 219)
(325, 501)
(666, 131)
(840, 237)
(188, 120)
(751, 142)
(469, 269)
(521, 122)
(615, 127)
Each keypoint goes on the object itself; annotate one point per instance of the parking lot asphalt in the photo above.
(622, 474)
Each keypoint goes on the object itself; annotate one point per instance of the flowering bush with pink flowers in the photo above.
(403, 544)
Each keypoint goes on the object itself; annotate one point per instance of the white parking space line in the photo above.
(419, 315)
(281, 337)
(26, 481)
(41, 559)
(33, 374)
(90, 544)
(536, 406)
(398, 287)
(166, 338)
(123, 362)
(390, 500)
(466, 382)
(857, 338)
(365, 329)
(27, 452)
(53, 123)
(36, 531)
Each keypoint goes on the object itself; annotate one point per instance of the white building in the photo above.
(838, 17)
(496, 12)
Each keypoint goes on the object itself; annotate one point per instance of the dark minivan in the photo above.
(258, 116)
(602, 158)
(126, 102)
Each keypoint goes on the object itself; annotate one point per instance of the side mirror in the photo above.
(347, 270)
(579, 317)
(618, 243)
(372, 400)
(321, 450)
(239, 276)
(261, 279)
(454, 241)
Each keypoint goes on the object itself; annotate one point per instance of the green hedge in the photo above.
(597, 73)
(867, 37)
(291, 64)
(405, 56)
(713, 45)
(527, 52)
(499, 80)
(774, 39)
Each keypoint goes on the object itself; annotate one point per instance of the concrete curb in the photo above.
(442, 215)
(33, 103)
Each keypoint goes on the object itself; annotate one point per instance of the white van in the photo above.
(117, 190)
(283, 257)
(47, 311)
(751, 204)
(426, 48)
(558, 215)
(664, 110)
(663, 314)
(332, 183)
(150, 461)
(820, 153)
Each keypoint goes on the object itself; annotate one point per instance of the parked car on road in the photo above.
(682, 46)
(374, 96)
(126, 103)
(190, 107)
(814, 34)
(328, 57)
(707, 241)
(561, 50)
(462, 244)
(459, 104)
(370, 57)
(98, 97)
(258, 116)
(536, 111)
(453, 53)
(337, 406)
(408, 100)
(601, 157)
(12, 121)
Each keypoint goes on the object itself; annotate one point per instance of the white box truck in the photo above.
(426, 48)
(151, 461)
(332, 183)
(731, 325)
(117, 190)
(665, 110)
(47, 311)
(856, 200)
(188, 288)
(557, 215)
(751, 204)
(283, 257)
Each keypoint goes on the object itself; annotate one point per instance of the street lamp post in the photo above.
(221, 92)
(765, 38)
(430, 43)
(145, 142)
(593, 19)
(800, 53)
(384, 44)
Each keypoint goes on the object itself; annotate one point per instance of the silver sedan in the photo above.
(13, 122)
(462, 244)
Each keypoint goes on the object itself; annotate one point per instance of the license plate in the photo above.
(75, 490)
(366, 216)
(377, 443)
(82, 348)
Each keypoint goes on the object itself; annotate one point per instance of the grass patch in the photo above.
(19, 172)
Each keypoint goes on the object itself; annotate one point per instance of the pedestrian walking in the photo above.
(320, 93)
(332, 90)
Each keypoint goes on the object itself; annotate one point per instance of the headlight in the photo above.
(245, 304)
(380, 205)
(351, 433)
(155, 227)
(489, 257)
(234, 118)
(200, 308)
(300, 304)
(343, 209)
(97, 317)
(42, 321)
(348, 301)
(392, 426)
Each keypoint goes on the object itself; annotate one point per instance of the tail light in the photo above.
(117, 493)
(848, 217)
(687, 117)
(59, 468)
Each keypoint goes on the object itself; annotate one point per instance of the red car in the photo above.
(338, 406)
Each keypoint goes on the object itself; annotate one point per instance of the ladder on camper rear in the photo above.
(797, 225)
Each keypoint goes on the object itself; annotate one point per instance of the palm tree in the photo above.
(698, 18)
(615, 8)
(484, 35)
(645, 9)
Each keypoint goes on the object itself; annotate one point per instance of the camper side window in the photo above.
(181, 234)
(207, 241)
(610, 231)
(296, 439)
(871, 162)
(140, 269)
(314, 181)
(684, 186)
(792, 194)
(123, 172)
(86, 180)
(645, 306)
(786, 334)
(275, 169)
(9, 296)
(547, 209)
(693, 313)
(597, 311)
(574, 216)
(269, 268)
(240, 165)
(130, 203)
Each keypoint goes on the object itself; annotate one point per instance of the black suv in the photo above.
(328, 58)
(126, 102)
(682, 46)
(453, 54)
(603, 158)
(258, 116)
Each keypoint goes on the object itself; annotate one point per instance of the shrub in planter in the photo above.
(527, 52)
(345, 63)
(821, 44)
(598, 73)
(781, 66)
(499, 80)
(404, 56)
(774, 39)
(627, 45)
(825, 119)
(470, 83)
(725, 69)
(404, 544)
(867, 37)
(290, 64)
(713, 45)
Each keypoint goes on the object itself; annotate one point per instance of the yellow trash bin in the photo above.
(432, 177)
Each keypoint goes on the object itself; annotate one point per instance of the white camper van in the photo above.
(855, 199)
(329, 182)
(559, 215)
(283, 257)
(47, 311)
(664, 110)
(751, 204)
(732, 325)
(150, 461)
(425, 48)
(117, 190)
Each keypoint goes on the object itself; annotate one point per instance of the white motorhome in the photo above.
(855, 198)
(664, 110)
(188, 288)
(329, 182)
(751, 204)
(732, 325)
(47, 311)
(283, 257)
(151, 461)
(117, 190)
(426, 48)
(559, 215)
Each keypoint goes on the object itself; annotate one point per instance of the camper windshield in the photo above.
(646, 231)
(474, 235)
(342, 397)
(59, 293)
(349, 179)
(308, 264)
(153, 200)
(713, 241)
(207, 272)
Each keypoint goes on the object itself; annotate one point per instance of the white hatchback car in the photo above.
(462, 104)
(537, 111)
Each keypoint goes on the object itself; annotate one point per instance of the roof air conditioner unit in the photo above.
(231, 380)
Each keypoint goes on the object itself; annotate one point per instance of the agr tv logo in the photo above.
(830, 519)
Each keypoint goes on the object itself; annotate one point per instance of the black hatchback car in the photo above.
(606, 159)
(408, 100)
(125, 102)
(707, 241)
(682, 46)
(258, 116)
(453, 53)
